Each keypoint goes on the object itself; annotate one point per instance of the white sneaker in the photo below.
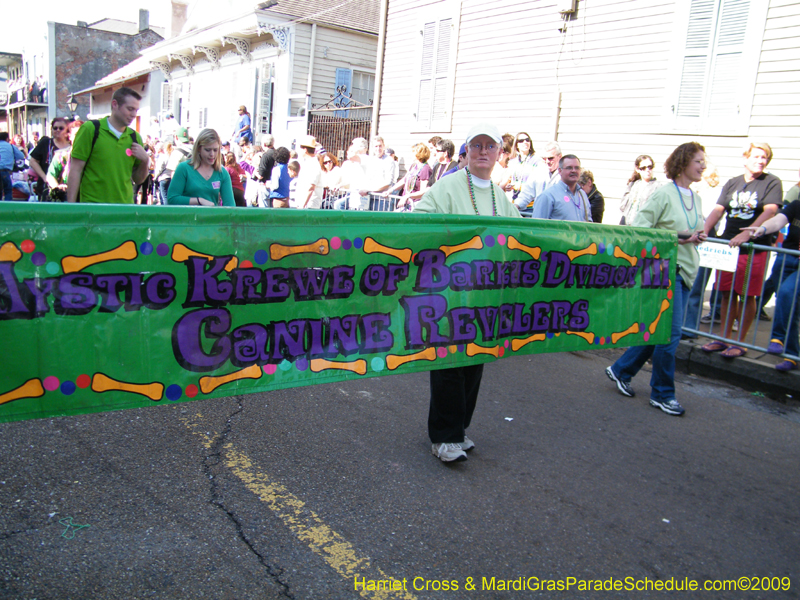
(467, 444)
(448, 452)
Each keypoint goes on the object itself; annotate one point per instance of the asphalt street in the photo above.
(331, 492)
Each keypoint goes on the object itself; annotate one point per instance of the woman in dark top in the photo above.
(45, 150)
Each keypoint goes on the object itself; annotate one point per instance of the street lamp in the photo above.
(72, 105)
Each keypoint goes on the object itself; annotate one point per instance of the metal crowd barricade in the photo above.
(715, 329)
(348, 200)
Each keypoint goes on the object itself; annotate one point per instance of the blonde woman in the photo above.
(202, 181)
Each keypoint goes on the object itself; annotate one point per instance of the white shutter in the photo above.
(265, 98)
(426, 75)
(441, 71)
(715, 81)
(723, 96)
(166, 97)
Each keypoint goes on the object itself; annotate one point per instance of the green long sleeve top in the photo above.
(187, 183)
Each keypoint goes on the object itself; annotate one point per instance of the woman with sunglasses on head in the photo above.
(640, 186)
(45, 150)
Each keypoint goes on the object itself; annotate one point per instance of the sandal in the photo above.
(734, 352)
(714, 346)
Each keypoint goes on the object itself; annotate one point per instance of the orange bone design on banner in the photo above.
(358, 366)
(181, 253)
(73, 264)
(9, 252)
(514, 244)
(474, 244)
(615, 337)
(30, 389)
(591, 250)
(394, 360)
(209, 383)
(279, 251)
(103, 383)
(537, 337)
(371, 246)
(654, 324)
(618, 253)
(474, 350)
(589, 337)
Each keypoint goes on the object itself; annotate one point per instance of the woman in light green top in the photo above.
(675, 207)
(202, 181)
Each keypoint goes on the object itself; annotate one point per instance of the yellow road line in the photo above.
(334, 549)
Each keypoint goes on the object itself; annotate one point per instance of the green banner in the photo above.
(110, 307)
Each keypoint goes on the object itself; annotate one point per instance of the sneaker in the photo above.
(775, 347)
(671, 407)
(624, 388)
(448, 452)
(763, 316)
(707, 319)
(786, 365)
(467, 444)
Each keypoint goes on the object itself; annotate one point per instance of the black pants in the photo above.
(454, 393)
(238, 198)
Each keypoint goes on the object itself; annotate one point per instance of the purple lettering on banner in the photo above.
(422, 313)
(250, 345)
(245, 283)
(530, 273)
(159, 290)
(560, 313)
(10, 298)
(541, 317)
(112, 285)
(190, 331)
(134, 300)
(316, 344)
(522, 321)
(203, 285)
(557, 269)
(579, 316)
(309, 284)
(506, 320)
(41, 288)
(397, 273)
(288, 339)
(75, 296)
(373, 280)
(432, 275)
(277, 286)
(375, 334)
(343, 335)
(487, 321)
(464, 329)
(342, 285)
(461, 277)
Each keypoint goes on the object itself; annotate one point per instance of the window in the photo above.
(358, 85)
(435, 69)
(265, 99)
(714, 75)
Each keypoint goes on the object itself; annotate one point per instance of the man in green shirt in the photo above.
(106, 161)
(470, 191)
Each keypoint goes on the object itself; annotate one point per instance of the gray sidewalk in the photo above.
(755, 371)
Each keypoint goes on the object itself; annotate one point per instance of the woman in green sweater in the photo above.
(202, 181)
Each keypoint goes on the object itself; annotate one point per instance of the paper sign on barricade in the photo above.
(108, 307)
(718, 256)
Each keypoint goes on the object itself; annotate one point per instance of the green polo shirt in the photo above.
(107, 176)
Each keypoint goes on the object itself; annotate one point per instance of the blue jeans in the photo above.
(662, 381)
(6, 185)
(778, 274)
(785, 302)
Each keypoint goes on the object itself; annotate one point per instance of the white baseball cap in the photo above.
(484, 129)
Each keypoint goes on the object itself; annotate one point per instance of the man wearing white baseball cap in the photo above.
(469, 191)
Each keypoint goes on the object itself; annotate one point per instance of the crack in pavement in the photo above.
(213, 459)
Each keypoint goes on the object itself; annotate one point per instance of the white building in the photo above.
(278, 59)
(608, 79)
